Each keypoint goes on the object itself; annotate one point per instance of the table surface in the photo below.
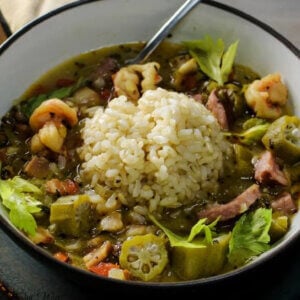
(23, 277)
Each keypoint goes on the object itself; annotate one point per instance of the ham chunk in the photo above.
(233, 208)
(218, 110)
(267, 170)
(198, 98)
(284, 204)
(37, 167)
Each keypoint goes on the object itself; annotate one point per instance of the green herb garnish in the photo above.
(189, 241)
(19, 196)
(212, 58)
(28, 106)
(250, 236)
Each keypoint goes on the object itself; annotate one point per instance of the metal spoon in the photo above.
(163, 31)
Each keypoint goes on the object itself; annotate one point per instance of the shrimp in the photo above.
(127, 79)
(49, 120)
(188, 67)
(267, 96)
(52, 135)
(126, 83)
(53, 110)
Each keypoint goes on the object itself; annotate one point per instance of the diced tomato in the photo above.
(65, 187)
(71, 187)
(103, 268)
(63, 82)
(62, 256)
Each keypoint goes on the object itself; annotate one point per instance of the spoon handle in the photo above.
(164, 31)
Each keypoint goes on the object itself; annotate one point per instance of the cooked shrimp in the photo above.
(36, 145)
(53, 110)
(48, 121)
(127, 79)
(188, 67)
(52, 135)
(126, 83)
(150, 74)
(266, 96)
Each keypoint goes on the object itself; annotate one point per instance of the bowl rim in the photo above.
(216, 4)
(37, 251)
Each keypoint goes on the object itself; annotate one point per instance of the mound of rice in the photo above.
(166, 150)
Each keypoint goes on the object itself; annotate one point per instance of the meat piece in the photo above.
(233, 208)
(218, 110)
(267, 170)
(98, 254)
(285, 204)
(37, 167)
(106, 68)
(198, 98)
(65, 187)
(3, 154)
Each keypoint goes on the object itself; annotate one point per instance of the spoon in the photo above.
(163, 31)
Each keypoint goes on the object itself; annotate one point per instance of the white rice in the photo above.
(165, 150)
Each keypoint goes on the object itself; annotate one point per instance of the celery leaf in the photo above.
(189, 241)
(250, 236)
(228, 60)
(19, 196)
(212, 58)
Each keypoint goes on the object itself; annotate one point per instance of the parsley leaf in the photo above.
(189, 242)
(19, 196)
(212, 58)
(250, 236)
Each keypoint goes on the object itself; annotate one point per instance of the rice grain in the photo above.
(166, 150)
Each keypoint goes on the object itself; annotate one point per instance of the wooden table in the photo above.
(2, 35)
